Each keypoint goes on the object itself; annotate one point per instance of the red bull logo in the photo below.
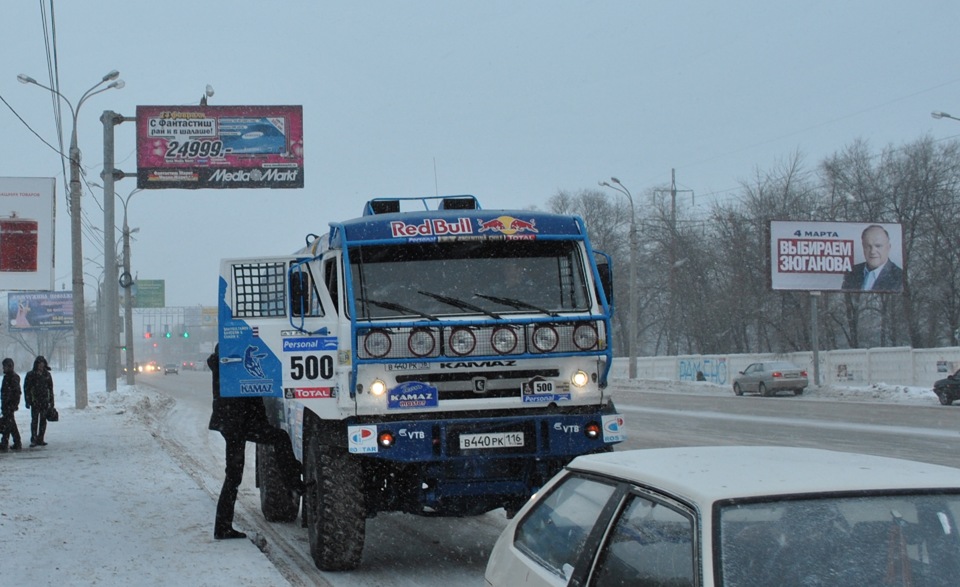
(507, 225)
(434, 227)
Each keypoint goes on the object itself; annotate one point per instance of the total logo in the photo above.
(507, 225)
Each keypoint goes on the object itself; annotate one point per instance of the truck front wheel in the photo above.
(333, 506)
(276, 501)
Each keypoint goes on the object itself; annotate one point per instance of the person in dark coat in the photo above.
(238, 420)
(38, 392)
(9, 404)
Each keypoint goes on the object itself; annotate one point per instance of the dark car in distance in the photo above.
(170, 368)
(948, 390)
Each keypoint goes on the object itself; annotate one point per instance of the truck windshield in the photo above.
(488, 278)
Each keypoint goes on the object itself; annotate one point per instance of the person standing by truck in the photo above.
(38, 392)
(9, 404)
(238, 420)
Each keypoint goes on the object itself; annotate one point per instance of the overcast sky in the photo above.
(507, 100)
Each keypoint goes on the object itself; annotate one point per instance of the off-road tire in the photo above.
(276, 501)
(333, 506)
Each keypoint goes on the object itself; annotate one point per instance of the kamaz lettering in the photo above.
(256, 388)
(477, 364)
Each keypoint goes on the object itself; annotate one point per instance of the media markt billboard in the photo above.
(855, 257)
(219, 147)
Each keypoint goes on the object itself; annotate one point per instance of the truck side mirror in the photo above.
(300, 293)
(605, 271)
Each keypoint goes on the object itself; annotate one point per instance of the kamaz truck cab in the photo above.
(441, 361)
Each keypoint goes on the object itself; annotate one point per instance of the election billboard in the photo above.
(219, 147)
(855, 257)
(45, 310)
(26, 233)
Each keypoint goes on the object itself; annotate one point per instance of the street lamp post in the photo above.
(632, 326)
(79, 320)
(126, 281)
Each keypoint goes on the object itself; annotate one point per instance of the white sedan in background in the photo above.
(736, 517)
(769, 377)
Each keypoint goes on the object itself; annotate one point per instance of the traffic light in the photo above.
(186, 334)
(167, 334)
(147, 334)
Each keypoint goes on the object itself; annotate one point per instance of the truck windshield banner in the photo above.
(219, 147)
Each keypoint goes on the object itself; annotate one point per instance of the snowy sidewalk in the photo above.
(104, 504)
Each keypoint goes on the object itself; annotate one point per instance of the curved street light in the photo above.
(632, 326)
(79, 320)
(938, 115)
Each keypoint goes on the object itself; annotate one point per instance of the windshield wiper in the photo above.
(458, 303)
(399, 308)
(518, 304)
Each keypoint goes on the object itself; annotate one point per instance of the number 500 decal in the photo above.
(311, 367)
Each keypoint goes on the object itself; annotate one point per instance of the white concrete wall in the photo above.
(892, 365)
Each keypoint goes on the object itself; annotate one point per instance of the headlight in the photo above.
(585, 337)
(462, 341)
(579, 379)
(421, 343)
(545, 338)
(503, 340)
(378, 387)
(377, 344)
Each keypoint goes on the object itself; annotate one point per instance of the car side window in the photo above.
(554, 531)
(650, 545)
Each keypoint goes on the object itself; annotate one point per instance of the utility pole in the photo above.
(111, 295)
(673, 343)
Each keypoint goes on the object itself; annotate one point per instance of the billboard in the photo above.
(836, 256)
(46, 310)
(26, 233)
(219, 147)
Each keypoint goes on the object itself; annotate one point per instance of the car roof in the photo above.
(708, 474)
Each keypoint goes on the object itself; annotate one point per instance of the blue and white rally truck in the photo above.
(442, 362)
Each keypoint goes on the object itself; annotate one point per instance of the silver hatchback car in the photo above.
(769, 377)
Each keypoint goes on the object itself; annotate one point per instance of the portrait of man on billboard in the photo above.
(877, 272)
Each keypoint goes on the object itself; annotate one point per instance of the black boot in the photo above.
(227, 534)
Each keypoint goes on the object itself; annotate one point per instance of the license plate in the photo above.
(492, 440)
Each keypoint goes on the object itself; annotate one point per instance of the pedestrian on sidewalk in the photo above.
(242, 419)
(38, 389)
(9, 404)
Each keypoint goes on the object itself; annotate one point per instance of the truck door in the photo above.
(276, 328)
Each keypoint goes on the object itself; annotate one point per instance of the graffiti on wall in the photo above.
(714, 369)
